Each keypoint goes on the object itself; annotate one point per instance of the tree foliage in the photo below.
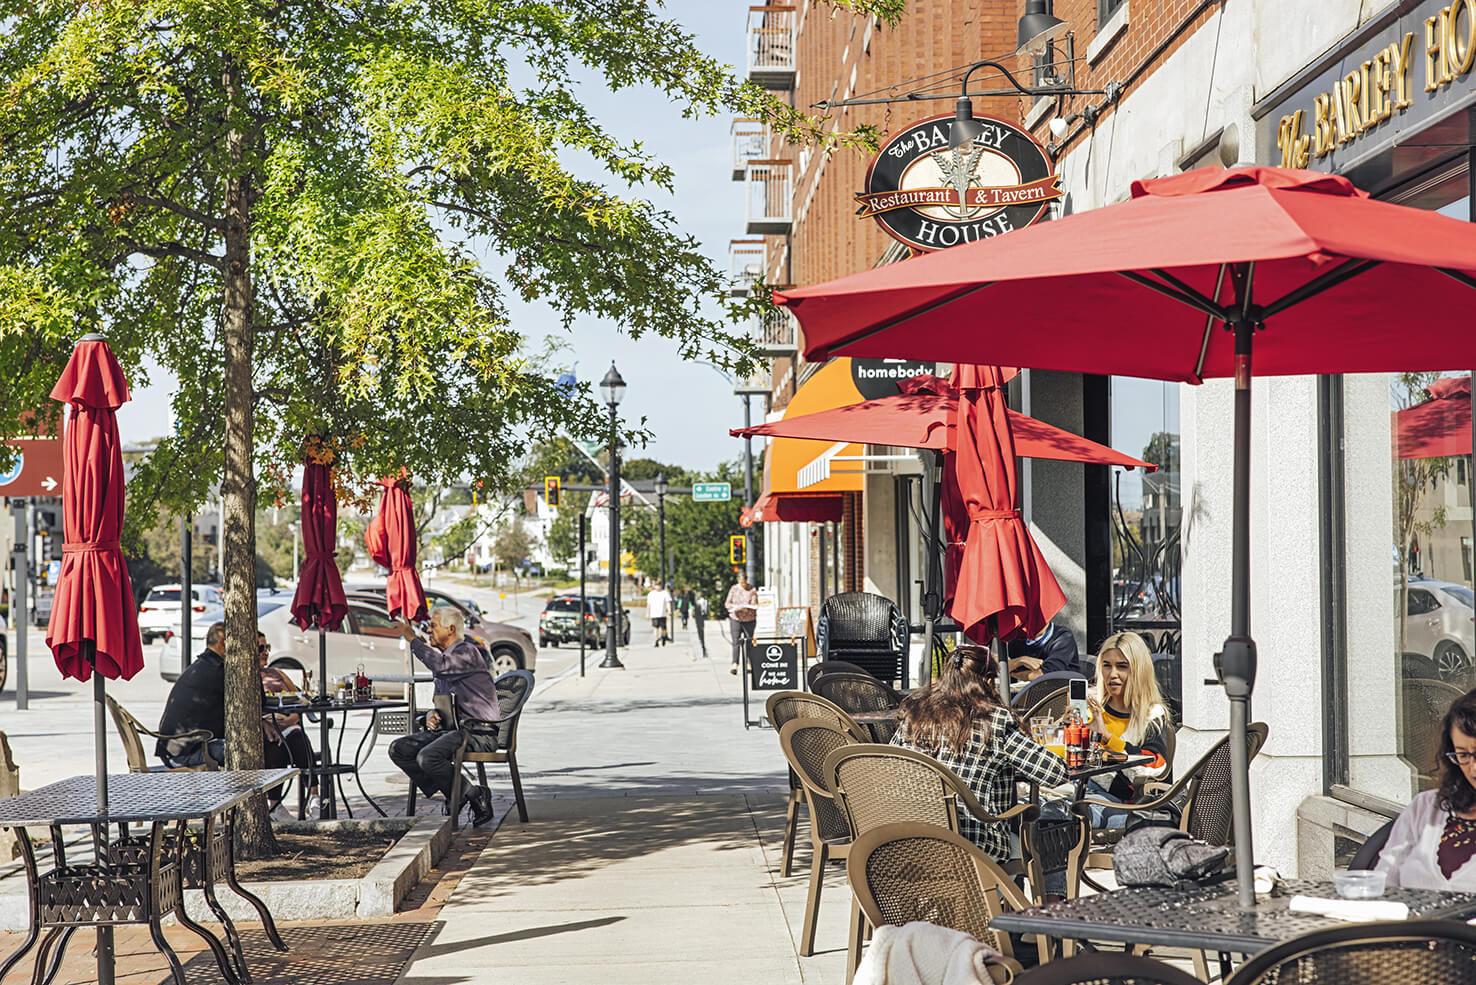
(283, 204)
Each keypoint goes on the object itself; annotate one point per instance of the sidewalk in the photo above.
(652, 854)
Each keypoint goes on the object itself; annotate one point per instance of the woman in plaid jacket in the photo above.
(960, 721)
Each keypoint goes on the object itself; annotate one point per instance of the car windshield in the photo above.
(1463, 595)
(164, 595)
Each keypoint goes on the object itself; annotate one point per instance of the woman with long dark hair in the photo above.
(1432, 844)
(960, 721)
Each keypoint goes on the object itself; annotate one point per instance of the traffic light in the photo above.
(551, 487)
(49, 529)
(738, 549)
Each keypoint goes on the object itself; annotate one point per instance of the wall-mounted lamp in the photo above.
(1038, 28)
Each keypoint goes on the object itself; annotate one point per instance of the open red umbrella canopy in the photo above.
(1438, 427)
(319, 598)
(391, 540)
(1342, 284)
(94, 597)
(923, 416)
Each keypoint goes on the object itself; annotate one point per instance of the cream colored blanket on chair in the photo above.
(924, 954)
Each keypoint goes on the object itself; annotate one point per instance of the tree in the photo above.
(696, 536)
(513, 545)
(281, 202)
(563, 533)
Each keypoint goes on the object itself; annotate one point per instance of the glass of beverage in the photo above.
(1039, 726)
(1055, 739)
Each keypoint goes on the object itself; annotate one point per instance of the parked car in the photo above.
(508, 647)
(560, 621)
(1440, 630)
(368, 637)
(160, 611)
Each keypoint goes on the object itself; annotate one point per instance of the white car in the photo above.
(1440, 631)
(159, 613)
(367, 638)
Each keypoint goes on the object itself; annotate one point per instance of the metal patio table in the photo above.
(1207, 917)
(136, 879)
(326, 767)
(1085, 773)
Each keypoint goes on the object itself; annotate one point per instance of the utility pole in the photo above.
(748, 485)
(612, 387)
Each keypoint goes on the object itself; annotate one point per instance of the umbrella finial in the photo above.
(92, 337)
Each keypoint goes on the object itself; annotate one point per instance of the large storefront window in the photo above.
(1145, 519)
(1411, 612)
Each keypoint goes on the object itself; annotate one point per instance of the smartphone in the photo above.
(1077, 695)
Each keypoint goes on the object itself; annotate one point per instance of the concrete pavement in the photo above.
(652, 852)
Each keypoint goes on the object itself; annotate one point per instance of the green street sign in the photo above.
(711, 492)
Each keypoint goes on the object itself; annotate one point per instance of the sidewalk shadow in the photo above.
(571, 838)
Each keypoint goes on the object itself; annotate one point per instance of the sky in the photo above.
(688, 407)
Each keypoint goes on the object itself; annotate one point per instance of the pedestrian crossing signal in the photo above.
(551, 488)
(738, 549)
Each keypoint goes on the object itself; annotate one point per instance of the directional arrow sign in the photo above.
(711, 492)
(37, 470)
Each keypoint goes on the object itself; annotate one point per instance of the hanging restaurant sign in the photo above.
(930, 197)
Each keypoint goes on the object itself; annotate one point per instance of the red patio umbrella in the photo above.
(94, 622)
(1300, 268)
(391, 541)
(794, 508)
(920, 418)
(1438, 427)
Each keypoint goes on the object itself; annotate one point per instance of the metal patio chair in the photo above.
(1107, 968)
(861, 692)
(1400, 951)
(513, 690)
(783, 707)
(1425, 702)
(129, 730)
(867, 630)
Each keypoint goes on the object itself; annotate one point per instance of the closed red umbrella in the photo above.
(1201, 271)
(1004, 587)
(391, 539)
(319, 599)
(1440, 426)
(94, 623)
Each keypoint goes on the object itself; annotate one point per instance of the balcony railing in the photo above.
(771, 37)
(745, 265)
(750, 142)
(770, 197)
(758, 384)
(777, 333)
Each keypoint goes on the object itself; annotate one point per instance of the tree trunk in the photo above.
(238, 493)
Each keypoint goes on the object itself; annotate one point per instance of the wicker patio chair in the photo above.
(864, 629)
(806, 743)
(1203, 791)
(1425, 703)
(861, 692)
(1411, 951)
(783, 707)
(1052, 704)
(513, 690)
(1106, 968)
(1045, 684)
(906, 871)
(819, 670)
(876, 785)
(129, 730)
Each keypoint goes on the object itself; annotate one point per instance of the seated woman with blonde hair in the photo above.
(1129, 713)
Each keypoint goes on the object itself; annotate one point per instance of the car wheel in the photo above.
(1453, 664)
(625, 638)
(505, 660)
(554, 642)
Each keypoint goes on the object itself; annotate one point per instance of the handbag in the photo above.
(1157, 855)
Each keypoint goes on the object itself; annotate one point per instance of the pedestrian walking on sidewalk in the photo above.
(684, 603)
(429, 758)
(742, 606)
(699, 614)
(658, 610)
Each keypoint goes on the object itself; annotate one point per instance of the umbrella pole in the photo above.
(325, 785)
(100, 763)
(1238, 658)
(931, 597)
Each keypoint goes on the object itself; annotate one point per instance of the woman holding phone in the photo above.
(1128, 712)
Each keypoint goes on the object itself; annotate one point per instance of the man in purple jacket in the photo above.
(429, 757)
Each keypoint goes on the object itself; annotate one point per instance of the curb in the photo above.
(376, 894)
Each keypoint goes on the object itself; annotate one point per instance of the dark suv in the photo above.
(560, 621)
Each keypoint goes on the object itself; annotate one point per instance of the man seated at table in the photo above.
(429, 758)
(197, 701)
(1054, 649)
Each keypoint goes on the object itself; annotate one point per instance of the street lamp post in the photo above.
(661, 488)
(612, 388)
